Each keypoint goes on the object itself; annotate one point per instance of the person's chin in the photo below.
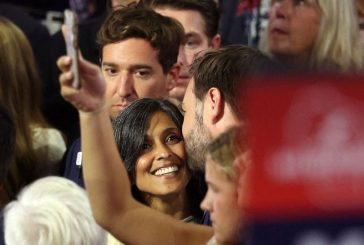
(115, 110)
(221, 239)
(177, 93)
(183, 80)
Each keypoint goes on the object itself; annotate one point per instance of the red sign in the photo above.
(307, 141)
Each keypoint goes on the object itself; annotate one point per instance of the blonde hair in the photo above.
(337, 45)
(225, 149)
(338, 40)
(20, 92)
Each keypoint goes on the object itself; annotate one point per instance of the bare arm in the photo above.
(105, 177)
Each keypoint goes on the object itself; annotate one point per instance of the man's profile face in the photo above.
(131, 70)
(196, 135)
(221, 202)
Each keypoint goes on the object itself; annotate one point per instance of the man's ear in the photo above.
(214, 105)
(215, 41)
(172, 76)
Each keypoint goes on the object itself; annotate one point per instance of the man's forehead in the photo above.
(125, 50)
(211, 169)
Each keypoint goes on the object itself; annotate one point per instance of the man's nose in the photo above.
(125, 85)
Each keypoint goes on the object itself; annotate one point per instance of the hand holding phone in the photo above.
(71, 37)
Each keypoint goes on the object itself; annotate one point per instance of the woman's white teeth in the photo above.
(166, 170)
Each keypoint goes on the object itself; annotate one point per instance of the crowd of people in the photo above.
(155, 140)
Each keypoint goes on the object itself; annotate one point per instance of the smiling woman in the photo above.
(149, 137)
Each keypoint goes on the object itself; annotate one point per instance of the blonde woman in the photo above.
(314, 35)
(39, 148)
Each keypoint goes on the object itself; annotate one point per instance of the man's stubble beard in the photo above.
(196, 142)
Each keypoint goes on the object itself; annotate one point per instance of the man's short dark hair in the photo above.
(208, 9)
(7, 142)
(227, 69)
(163, 33)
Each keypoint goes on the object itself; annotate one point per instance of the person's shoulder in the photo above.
(74, 154)
(50, 135)
(76, 144)
(73, 163)
(49, 144)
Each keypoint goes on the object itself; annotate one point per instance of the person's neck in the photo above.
(175, 205)
(294, 62)
(229, 120)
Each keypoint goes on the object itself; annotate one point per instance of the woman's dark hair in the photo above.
(7, 142)
(129, 130)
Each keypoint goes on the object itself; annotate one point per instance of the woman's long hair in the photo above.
(20, 92)
(338, 41)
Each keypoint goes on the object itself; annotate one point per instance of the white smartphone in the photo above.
(70, 20)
